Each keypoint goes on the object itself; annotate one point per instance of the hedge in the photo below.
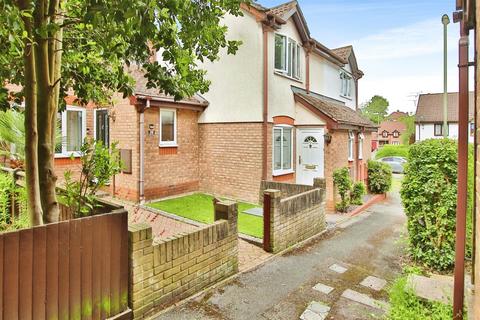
(429, 196)
(392, 151)
(379, 177)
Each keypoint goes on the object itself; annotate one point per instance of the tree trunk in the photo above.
(31, 136)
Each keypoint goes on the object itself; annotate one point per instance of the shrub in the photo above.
(379, 177)
(358, 190)
(7, 187)
(99, 165)
(392, 151)
(343, 182)
(429, 195)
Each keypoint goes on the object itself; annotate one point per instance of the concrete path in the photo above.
(283, 287)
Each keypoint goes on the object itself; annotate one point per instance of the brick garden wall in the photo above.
(287, 189)
(162, 273)
(295, 218)
(231, 159)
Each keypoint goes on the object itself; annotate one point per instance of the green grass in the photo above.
(405, 305)
(199, 207)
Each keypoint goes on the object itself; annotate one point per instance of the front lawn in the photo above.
(199, 207)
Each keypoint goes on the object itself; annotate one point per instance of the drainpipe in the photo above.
(265, 104)
(445, 22)
(307, 67)
(141, 126)
(458, 291)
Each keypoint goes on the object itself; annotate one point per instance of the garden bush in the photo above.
(343, 183)
(379, 177)
(7, 187)
(429, 196)
(358, 190)
(392, 151)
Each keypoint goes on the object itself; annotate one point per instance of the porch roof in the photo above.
(335, 110)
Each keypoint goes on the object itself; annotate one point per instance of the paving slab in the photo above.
(364, 299)
(374, 283)
(338, 268)
(315, 311)
(254, 212)
(438, 289)
(323, 288)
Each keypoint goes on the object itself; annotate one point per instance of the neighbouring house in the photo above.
(390, 130)
(284, 108)
(429, 116)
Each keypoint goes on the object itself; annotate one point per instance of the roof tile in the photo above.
(430, 107)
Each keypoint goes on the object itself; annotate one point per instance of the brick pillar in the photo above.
(271, 203)
(140, 254)
(227, 210)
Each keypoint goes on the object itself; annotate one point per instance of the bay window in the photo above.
(168, 127)
(72, 125)
(287, 56)
(282, 150)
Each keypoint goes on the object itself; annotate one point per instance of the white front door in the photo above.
(310, 155)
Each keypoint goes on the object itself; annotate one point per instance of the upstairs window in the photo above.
(346, 84)
(287, 56)
(385, 134)
(351, 138)
(396, 134)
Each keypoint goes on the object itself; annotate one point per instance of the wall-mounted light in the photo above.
(328, 138)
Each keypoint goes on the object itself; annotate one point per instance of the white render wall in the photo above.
(236, 90)
(426, 131)
(325, 79)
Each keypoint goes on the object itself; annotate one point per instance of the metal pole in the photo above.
(459, 275)
(445, 22)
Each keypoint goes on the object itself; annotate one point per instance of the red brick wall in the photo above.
(231, 159)
(170, 171)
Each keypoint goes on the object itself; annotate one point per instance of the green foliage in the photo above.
(392, 151)
(7, 188)
(358, 190)
(99, 165)
(409, 133)
(405, 305)
(379, 177)
(343, 183)
(429, 195)
(12, 132)
(98, 38)
(376, 109)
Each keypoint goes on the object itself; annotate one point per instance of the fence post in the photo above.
(227, 210)
(271, 200)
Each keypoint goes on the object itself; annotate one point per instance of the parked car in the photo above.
(396, 163)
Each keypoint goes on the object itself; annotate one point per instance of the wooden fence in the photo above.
(76, 269)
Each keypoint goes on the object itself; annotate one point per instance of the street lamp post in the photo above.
(445, 22)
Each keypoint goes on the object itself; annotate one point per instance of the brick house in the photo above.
(391, 129)
(284, 108)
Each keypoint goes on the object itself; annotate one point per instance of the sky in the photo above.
(398, 43)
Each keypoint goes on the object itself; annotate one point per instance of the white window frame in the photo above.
(168, 143)
(346, 84)
(65, 153)
(280, 172)
(361, 138)
(351, 142)
(295, 66)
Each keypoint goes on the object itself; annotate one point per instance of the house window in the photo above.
(282, 150)
(361, 137)
(351, 138)
(438, 129)
(395, 134)
(346, 88)
(168, 128)
(72, 125)
(385, 134)
(101, 126)
(287, 56)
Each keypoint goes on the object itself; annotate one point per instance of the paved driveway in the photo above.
(282, 288)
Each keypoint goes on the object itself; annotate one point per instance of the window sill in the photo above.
(346, 97)
(282, 172)
(168, 146)
(278, 73)
(64, 155)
